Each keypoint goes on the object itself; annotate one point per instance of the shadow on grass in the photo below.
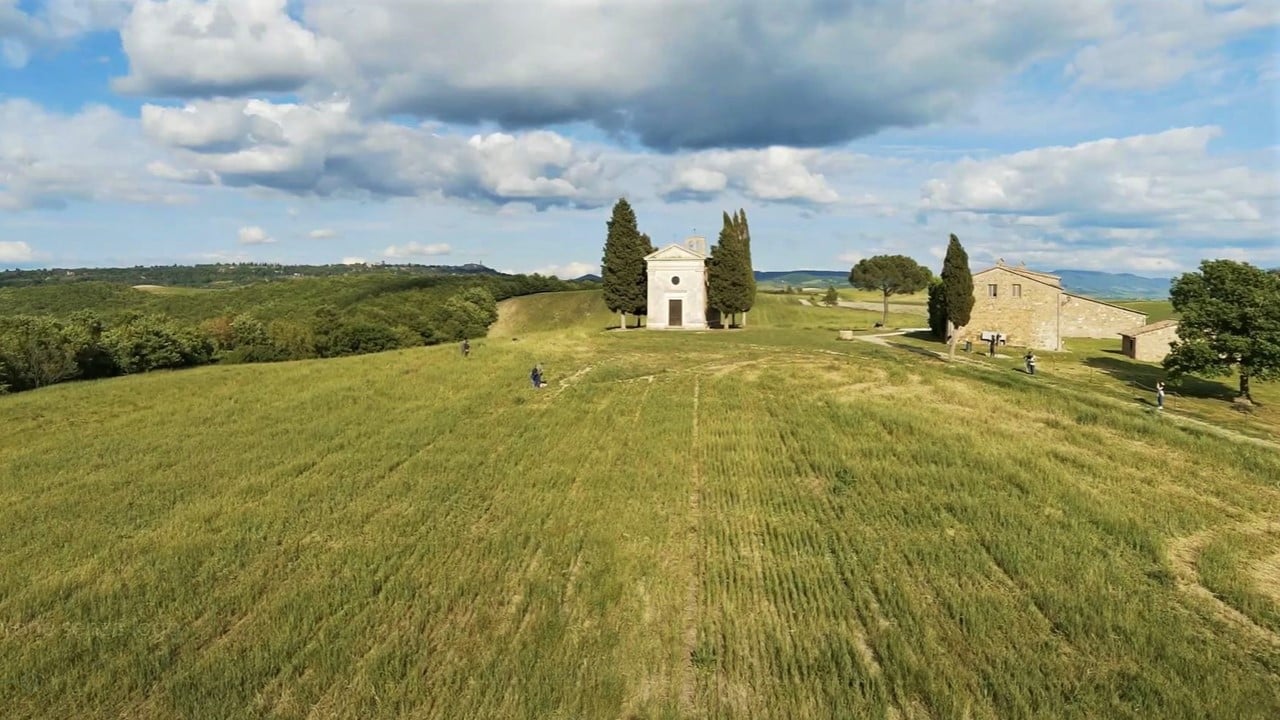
(1143, 376)
(922, 352)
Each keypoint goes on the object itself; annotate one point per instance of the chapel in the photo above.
(677, 297)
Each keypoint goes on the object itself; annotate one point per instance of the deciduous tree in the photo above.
(890, 275)
(1230, 323)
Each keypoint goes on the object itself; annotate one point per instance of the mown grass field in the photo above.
(1156, 310)
(756, 523)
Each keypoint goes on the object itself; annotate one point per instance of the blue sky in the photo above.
(1124, 135)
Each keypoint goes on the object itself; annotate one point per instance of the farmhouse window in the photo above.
(675, 279)
(1017, 291)
(991, 290)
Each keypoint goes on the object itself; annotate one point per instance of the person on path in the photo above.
(1159, 395)
(466, 347)
(1030, 359)
(992, 351)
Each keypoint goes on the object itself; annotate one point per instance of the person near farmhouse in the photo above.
(1030, 359)
(1159, 395)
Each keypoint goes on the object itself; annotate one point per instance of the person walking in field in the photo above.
(992, 351)
(466, 347)
(1159, 395)
(1030, 359)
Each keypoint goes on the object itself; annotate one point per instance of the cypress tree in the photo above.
(644, 247)
(957, 290)
(937, 309)
(622, 271)
(748, 298)
(721, 271)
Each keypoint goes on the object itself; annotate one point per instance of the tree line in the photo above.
(731, 282)
(43, 348)
(222, 274)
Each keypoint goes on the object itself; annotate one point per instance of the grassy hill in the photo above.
(374, 295)
(758, 523)
(1156, 310)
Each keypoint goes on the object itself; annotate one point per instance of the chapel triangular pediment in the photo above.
(675, 252)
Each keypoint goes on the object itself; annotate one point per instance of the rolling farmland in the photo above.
(758, 523)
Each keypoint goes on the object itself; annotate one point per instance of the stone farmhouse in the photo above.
(1150, 343)
(1030, 309)
(677, 287)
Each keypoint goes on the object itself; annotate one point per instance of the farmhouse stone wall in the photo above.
(1031, 310)
(1082, 317)
(1026, 321)
(1151, 346)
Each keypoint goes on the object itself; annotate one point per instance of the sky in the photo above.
(1121, 135)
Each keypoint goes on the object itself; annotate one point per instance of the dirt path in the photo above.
(879, 339)
(1220, 431)
(689, 680)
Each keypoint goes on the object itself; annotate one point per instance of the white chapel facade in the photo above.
(677, 297)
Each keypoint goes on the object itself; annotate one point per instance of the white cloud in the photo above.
(220, 47)
(191, 176)
(569, 271)
(1155, 43)
(322, 234)
(353, 261)
(52, 25)
(415, 249)
(254, 235)
(15, 251)
(779, 174)
(48, 159)
(1166, 180)
(322, 149)
(850, 258)
(220, 256)
(805, 74)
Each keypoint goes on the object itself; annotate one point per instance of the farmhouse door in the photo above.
(675, 313)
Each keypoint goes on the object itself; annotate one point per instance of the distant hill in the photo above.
(800, 278)
(219, 275)
(1117, 286)
(587, 278)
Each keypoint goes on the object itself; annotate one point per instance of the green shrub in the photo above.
(292, 341)
(35, 351)
(154, 342)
